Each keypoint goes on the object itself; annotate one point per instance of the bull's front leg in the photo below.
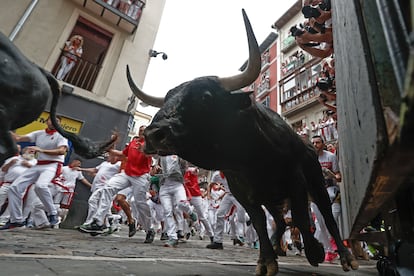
(314, 250)
(267, 263)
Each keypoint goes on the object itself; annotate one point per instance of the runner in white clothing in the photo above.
(225, 206)
(103, 173)
(172, 193)
(50, 148)
(12, 168)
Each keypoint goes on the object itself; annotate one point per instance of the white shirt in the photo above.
(46, 141)
(70, 176)
(17, 168)
(105, 171)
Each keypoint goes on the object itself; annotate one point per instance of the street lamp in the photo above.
(153, 53)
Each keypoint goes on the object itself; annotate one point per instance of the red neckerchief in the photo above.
(222, 174)
(50, 131)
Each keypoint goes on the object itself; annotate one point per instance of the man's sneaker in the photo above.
(150, 236)
(42, 226)
(132, 228)
(93, 228)
(171, 243)
(215, 245)
(164, 236)
(111, 229)
(53, 220)
(193, 216)
(11, 225)
(180, 234)
(238, 241)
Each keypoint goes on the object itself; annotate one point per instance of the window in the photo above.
(266, 101)
(84, 69)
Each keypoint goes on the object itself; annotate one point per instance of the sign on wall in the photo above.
(66, 123)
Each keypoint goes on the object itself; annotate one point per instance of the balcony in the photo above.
(287, 44)
(83, 74)
(295, 64)
(265, 60)
(124, 16)
(263, 87)
(299, 101)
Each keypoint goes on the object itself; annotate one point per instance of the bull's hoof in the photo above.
(260, 267)
(348, 260)
(315, 253)
(268, 268)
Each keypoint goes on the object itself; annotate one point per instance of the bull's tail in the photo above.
(82, 146)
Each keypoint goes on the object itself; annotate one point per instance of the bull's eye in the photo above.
(207, 98)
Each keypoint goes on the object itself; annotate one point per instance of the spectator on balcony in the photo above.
(284, 68)
(331, 122)
(314, 129)
(301, 57)
(71, 53)
(124, 6)
(135, 9)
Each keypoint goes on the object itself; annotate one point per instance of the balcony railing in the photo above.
(120, 13)
(83, 74)
(299, 100)
(288, 43)
(263, 87)
(265, 59)
(295, 64)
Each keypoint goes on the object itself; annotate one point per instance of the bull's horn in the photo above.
(250, 74)
(150, 100)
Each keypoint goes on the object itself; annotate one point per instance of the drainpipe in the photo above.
(23, 19)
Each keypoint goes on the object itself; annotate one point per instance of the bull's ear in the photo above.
(241, 99)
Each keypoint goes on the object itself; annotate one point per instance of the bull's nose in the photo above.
(148, 148)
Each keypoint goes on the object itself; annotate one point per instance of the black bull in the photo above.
(208, 122)
(25, 89)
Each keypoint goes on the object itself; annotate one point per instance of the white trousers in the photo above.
(199, 207)
(41, 176)
(120, 181)
(157, 212)
(225, 205)
(321, 232)
(173, 194)
(212, 216)
(93, 205)
(65, 67)
(4, 189)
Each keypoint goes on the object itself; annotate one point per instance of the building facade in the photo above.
(297, 76)
(96, 98)
(95, 90)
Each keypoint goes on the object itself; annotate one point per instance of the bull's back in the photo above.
(24, 89)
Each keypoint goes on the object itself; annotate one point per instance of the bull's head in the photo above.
(194, 116)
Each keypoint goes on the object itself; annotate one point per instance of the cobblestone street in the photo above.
(69, 252)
